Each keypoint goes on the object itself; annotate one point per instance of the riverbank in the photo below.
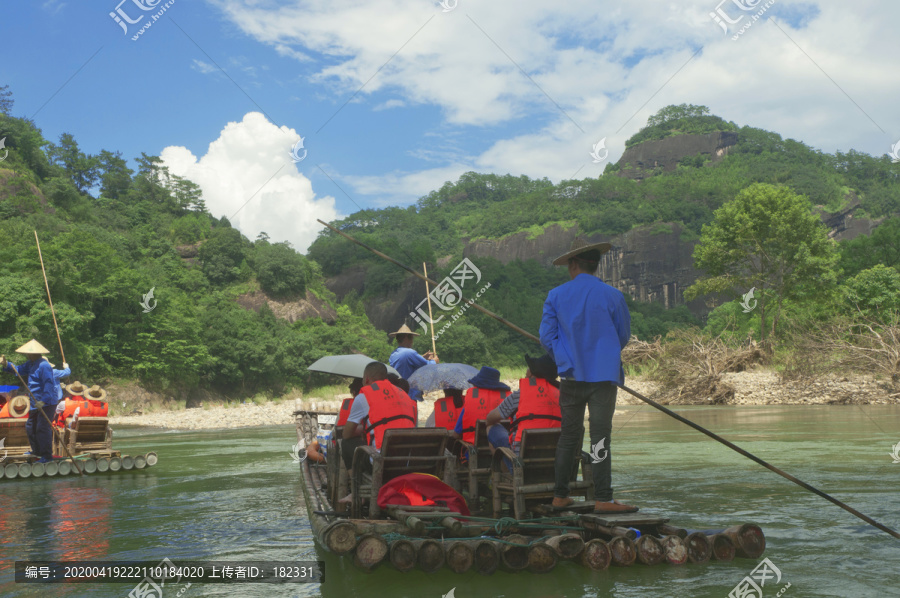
(757, 387)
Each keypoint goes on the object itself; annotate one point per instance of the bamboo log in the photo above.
(430, 555)
(749, 541)
(671, 530)
(542, 558)
(51, 468)
(115, 464)
(698, 547)
(11, 470)
(102, 465)
(649, 550)
(403, 555)
(514, 557)
(25, 470)
(487, 556)
(90, 466)
(140, 462)
(364, 526)
(339, 537)
(65, 467)
(596, 555)
(610, 532)
(675, 550)
(370, 551)
(460, 556)
(622, 551)
(567, 546)
(454, 525)
(38, 470)
(127, 462)
(722, 547)
(151, 459)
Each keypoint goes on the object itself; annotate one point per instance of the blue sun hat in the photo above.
(488, 378)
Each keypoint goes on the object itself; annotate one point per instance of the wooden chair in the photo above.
(15, 440)
(477, 469)
(533, 472)
(407, 450)
(88, 435)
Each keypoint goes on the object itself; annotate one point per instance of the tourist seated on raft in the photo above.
(486, 393)
(446, 410)
(534, 405)
(379, 406)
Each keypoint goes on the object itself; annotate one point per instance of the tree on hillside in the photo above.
(881, 247)
(767, 238)
(115, 176)
(83, 169)
(6, 101)
(874, 292)
(674, 112)
(222, 254)
(281, 271)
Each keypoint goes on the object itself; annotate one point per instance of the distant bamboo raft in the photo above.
(24, 467)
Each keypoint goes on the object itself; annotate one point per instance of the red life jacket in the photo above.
(479, 402)
(445, 413)
(345, 411)
(389, 407)
(538, 407)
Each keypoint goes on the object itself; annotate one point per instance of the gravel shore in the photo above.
(758, 387)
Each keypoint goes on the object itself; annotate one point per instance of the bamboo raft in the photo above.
(430, 538)
(21, 467)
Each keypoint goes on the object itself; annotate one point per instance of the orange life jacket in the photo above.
(389, 407)
(345, 411)
(538, 407)
(89, 408)
(445, 413)
(479, 402)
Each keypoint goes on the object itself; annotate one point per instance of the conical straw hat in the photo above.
(96, 393)
(404, 330)
(32, 347)
(76, 388)
(18, 406)
(580, 245)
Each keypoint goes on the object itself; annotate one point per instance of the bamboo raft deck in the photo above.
(430, 538)
(22, 467)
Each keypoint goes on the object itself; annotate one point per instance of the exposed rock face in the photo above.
(844, 226)
(643, 159)
(300, 309)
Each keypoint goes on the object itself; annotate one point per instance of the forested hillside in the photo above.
(151, 230)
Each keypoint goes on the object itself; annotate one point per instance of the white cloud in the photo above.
(248, 176)
(204, 67)
(593, 70)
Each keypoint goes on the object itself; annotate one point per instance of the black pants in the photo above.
(600, 399)
(39, 432)
(348, 447)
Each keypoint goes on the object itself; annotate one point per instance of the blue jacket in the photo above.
(584, 328)
(39, 377)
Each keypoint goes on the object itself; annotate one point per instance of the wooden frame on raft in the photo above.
(408, 450)
(478, 468)
(533, 472)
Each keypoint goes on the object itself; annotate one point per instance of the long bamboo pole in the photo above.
(652, 403)
(50, 423)
(430, 318)
(49, 299)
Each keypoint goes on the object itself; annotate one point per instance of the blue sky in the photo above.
(393, 98)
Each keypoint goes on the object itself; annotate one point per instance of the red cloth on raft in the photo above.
(421, 489)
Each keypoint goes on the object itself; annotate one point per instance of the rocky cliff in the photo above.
(644, 159)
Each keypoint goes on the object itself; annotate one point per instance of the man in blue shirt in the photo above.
(37, 373)
(584, 328)
(407, 360)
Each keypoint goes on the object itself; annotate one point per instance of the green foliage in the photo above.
(280, 270)
(770, 239)
(873, 292)
(685, 119)
(649, 320)
(881, 247)
(222, 255)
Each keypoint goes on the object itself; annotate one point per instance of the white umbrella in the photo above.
(345, 365)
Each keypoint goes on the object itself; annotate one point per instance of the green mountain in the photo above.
(237, 316)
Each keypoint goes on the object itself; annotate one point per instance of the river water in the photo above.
(235, 495)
